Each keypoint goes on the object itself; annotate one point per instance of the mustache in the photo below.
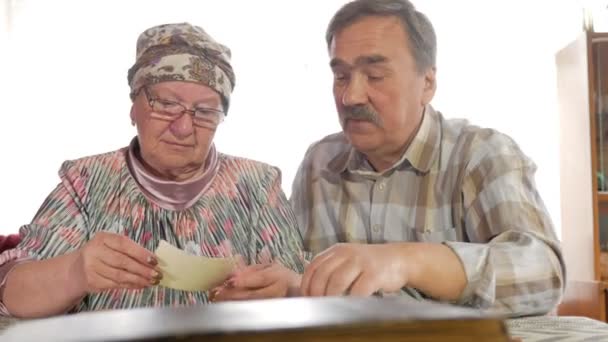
(361, 112)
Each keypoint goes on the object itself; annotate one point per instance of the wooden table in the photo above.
(300, 319)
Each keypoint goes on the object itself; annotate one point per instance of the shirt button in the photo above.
(376, 228)
(381, 186)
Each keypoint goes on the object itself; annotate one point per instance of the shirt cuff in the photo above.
(473, 257)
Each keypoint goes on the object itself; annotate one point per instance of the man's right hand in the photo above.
(110, 261)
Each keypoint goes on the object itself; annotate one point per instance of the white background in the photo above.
(64, 93)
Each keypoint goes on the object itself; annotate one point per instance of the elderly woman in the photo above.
(90, 245)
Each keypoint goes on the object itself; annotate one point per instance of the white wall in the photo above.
(64, 92)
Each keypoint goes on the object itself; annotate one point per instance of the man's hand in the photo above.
(269, 280)
(356, 269)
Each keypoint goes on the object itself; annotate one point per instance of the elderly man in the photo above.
(404, 198)
(405, 201)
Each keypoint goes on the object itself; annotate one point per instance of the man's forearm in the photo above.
(434, 269)
(42, 288)
(516, 274)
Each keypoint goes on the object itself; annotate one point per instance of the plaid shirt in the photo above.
(467, 187)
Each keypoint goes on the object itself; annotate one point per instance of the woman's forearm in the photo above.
(43, 288)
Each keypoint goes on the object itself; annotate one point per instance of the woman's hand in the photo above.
(110, 261)
(260, 281)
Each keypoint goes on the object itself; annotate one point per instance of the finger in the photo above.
(248, 269)
(309, 271)
(273, 291)
(320, 279)
(116, 259)
(227, 294)
(214, 292)
(342, 279)
(122, 277)
(260, 276)
(365, 285)
(124, 245)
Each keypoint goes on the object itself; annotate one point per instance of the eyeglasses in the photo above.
(168, 110)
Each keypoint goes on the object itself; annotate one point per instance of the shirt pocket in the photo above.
(435, 235)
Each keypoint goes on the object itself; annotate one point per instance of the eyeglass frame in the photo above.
(185, 110)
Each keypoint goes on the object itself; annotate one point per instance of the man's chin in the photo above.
(361, 142)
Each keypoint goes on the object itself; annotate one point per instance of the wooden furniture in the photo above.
(528, 329)
(290, 319)
(582, 78)
(303, 319)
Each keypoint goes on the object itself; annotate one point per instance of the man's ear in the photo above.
(430, 85)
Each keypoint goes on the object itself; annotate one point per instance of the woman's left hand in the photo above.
(260, 281)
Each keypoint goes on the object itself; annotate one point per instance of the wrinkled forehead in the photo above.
(370, 39)
(188, 92)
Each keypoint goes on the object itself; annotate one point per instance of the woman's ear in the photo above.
(132, 115)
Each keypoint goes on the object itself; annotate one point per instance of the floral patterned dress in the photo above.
(243, 211)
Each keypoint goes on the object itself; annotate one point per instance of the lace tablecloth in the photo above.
(554, 328)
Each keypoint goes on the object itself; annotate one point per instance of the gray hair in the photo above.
(420, 32)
